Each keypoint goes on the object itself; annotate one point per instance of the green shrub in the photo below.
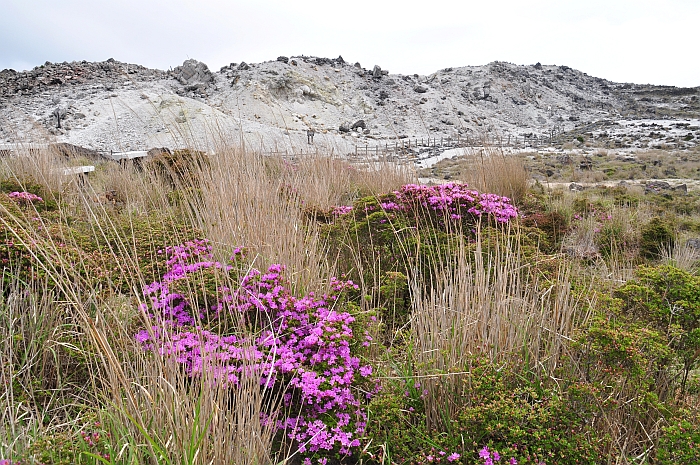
(655, 236)
(669, 299)
(680, 442)
(504, 411)
(616, 239)
(553, 224)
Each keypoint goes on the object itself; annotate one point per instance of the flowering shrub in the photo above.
(436, 457)
(455, 200)
(304, 345)
(380, 238)
(680, 441)
(492, 457)
(25, 197)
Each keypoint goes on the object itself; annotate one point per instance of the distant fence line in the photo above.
(398, 147)
(410, 146)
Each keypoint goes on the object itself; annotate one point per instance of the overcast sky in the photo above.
(639, 41)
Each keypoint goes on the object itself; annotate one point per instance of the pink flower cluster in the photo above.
(25, 197)
(491, 457)
(303, 345)
(341, 210)
(440, 457)
(452, 199)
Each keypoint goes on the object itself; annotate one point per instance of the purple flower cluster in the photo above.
(440, 457)
(341, 210)
(25, 197)
(303, 345)
(491, 457)
(452, 199)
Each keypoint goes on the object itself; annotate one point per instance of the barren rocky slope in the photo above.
(113, 106)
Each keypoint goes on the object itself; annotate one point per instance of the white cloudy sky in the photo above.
(640, 41)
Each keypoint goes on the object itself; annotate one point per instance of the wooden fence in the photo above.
(410, 146)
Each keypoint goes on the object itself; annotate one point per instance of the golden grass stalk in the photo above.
(492, 302)
(492, 170)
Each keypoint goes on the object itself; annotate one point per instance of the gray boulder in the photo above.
(193, 72)
(359, 124)
(693, 243)
(655, 187)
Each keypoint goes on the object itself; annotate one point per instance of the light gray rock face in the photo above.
(118, 106)
(193, 71)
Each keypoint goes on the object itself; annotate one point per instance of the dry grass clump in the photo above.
(488, 302)
(324, 182)
(43, 388)
(491, 170)
(28, 165)
(681, 255)
(161, 414)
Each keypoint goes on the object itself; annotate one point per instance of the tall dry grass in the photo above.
(160, 414)
(492, 170)
(155, 411)
(43, 391)
(487, 301)
(38, 166)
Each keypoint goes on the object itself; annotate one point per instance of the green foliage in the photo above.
(638, 354)
(622, 197)
(668, 298)
(553, 226)
(503, 410)
(655, 236)
(615, 239)
(89, 447)
(679, 203)
(680, 442)
(619, 350)
(49, 203)
(394, 300)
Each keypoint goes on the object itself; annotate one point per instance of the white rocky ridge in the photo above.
(113, 106)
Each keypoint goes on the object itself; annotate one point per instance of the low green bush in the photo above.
(502, 410)
(655, 236)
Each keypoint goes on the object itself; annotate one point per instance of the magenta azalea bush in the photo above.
(455, 200)
(24, 197)
(305, 346)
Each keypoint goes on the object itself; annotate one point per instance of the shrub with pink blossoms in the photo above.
(304, 345)
(24, 198)
(452, 200)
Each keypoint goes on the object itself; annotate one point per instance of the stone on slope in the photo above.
(191, 72)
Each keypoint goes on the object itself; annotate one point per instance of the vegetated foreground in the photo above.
(240, 308)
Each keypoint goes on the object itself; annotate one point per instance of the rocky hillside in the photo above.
(113, 106)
